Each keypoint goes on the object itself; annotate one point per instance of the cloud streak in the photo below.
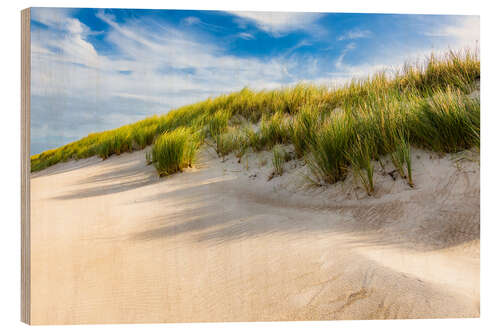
(464, 32)
(278, 23)
(355, 34)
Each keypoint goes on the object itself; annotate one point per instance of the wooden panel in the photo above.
(25, 165)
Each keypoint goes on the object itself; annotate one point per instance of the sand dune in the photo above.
(111, 242)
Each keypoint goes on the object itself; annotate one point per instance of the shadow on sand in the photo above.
(218, 209)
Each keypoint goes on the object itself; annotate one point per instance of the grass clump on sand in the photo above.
(173, 151)
(360, 157)
(303, 130)
(447, 122)
(401, 158)
(274, 130)
(218, 122)
(115, 142)
(279, 159)
(226, 143)
(327, 158)
(333, 129)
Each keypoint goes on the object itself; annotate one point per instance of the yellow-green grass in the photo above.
(279, 159)
(333, 129)
(174, 150)
(360, 157)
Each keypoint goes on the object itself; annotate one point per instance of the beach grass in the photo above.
(174, 150)
(279, 159)
(360, 157)
(331, 128)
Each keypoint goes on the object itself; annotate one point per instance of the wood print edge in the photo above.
(25, 165)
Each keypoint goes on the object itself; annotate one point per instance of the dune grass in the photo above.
(360, 157)
(279, 159)
(173, 151)
(303, 130)
(401, 158)
(447, 122)
(333, 129)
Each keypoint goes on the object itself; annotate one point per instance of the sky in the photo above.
(98, 69)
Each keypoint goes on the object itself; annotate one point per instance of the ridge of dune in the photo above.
(223, 242)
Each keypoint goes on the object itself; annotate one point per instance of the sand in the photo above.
(113, 243)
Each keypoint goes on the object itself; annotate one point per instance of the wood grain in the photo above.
(25, 166)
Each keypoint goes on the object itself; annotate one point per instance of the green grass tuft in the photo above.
(360, 157)
(447, 122)
(174, 151)
(279, 159)
(401, 158)
(327, 159)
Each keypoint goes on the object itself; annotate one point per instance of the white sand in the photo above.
(113, 243)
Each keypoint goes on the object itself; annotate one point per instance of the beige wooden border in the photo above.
(25, 165)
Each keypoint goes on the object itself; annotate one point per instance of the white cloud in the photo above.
(457, 35)
(279, 23)
(355, 34)
(339, 63)
(51, 17)
(191, 20)
(246, 35)
(464, 31)
(156, 69)
(144, 54)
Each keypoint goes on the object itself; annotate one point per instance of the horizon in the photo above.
(98, 69)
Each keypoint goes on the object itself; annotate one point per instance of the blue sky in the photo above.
(97, 69)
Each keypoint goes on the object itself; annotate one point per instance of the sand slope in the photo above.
(111, 242)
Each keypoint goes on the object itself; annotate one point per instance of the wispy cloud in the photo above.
(339, 63)
(190, 20)
(355, 34)
(246, 35)
(196, 21)
(278, 23)
(165, 68)
(465, 31)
